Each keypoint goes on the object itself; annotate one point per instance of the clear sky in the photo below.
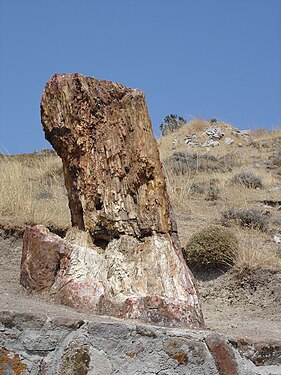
(195, 58)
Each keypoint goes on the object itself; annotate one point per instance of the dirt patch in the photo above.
(243, 305)
(246, 305)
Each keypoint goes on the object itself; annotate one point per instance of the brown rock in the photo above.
(223, 354)
(122, 257)
(11, 363)
(113, 174)
(41, 255)
(261, 353)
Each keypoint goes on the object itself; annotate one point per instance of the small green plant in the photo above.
(213, 121)
(245, 218)
(171, 123)
(211, 247)
(247, 179)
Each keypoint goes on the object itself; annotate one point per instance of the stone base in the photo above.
(127, 278)
(40, 345)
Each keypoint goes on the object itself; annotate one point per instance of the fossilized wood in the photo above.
(113, 174)
(122, 256)
(145, 280)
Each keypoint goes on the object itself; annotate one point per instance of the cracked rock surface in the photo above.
(122, 256)
(47, 345)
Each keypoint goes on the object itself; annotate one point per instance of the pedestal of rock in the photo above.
(122, 257)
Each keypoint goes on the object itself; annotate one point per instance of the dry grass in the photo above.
(256, 252)
(32, 191)
(193, 209)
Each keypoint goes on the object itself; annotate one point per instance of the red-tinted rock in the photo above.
(223, 354)
(41, 256)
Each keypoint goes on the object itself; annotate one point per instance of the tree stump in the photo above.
(122, 257)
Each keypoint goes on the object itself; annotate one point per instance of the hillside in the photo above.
(236, 183)
(233, 180)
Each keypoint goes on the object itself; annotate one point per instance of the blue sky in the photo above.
(203, 58)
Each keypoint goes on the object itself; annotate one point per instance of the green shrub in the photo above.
(171, 123)
(210, 247)
(245, 218)
(248, 179)
(213, 121)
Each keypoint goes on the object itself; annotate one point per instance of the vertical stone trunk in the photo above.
(113, 175)
(123, 256)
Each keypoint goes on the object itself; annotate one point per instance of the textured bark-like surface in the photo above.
(122, 257)
(113, 175)
(132, 279)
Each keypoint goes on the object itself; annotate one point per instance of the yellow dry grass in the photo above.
(255, 251)
(32, 191)
(195, 210)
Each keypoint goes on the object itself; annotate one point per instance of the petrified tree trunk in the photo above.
(113, 175)
(124, 257)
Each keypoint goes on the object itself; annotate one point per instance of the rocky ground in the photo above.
(243, 303)
(247, 306)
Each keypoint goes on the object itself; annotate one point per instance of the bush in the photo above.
(197, 187)
(171, 123)
(213, 191)
(277, 160)
(248, 179)
(212, 246)
(245, 218)
(183, 162)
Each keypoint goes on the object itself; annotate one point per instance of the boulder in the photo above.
(122, 257)
(210, 143)
(192, 141)
(228, 141)
(214, 132)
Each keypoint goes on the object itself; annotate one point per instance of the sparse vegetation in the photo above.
(211, 247)
(32, 191)
(213, 191)
(248, 179)
(184, 162)
(188, 178)
(255, 252)
(245, 218)
(197, 187)
(277, 159)
(199, 184)
(171, 123)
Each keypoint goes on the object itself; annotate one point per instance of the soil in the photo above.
(244, 305)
